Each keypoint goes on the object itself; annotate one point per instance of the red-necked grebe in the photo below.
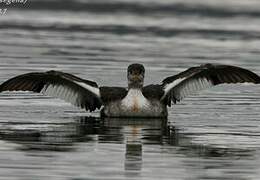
(136, 100)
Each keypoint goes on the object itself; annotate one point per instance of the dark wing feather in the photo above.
(109, 94)
(204, 76)
(80, 92)
(153, 91)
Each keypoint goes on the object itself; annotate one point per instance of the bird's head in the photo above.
(135, 75)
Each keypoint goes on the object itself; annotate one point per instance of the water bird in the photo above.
(136, 100)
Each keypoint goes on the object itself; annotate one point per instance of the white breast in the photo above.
(135, 105)
(135, 101)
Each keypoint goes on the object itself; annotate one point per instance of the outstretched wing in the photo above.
(198, 78)
(79, 92)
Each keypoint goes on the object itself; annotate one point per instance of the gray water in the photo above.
(214, 134)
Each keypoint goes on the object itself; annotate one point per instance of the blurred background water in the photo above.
(214, 134)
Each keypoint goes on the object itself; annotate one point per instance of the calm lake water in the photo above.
(214, 134)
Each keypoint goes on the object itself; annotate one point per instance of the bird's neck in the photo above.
(134, 85)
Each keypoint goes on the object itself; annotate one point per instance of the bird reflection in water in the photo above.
(62, 136)
(136, 134)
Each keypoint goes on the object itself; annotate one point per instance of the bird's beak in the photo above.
(136, 77)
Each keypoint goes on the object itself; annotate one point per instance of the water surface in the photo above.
(214, 134)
